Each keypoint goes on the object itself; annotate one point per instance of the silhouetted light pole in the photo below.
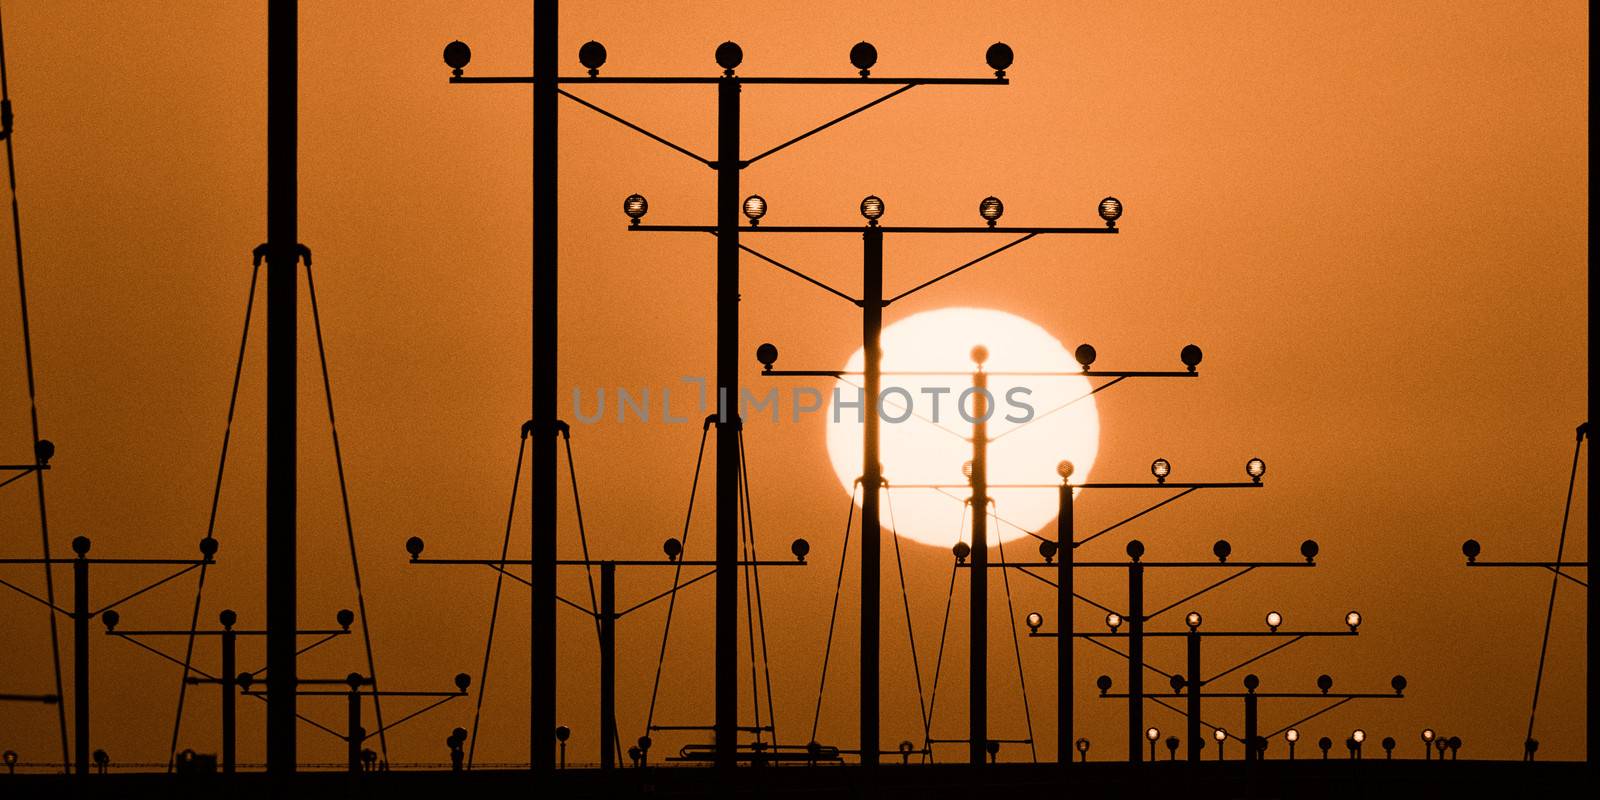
(607, 615)
(872, 303)
(82, 612)
(1472, 549)
(356, 685)
(728, 165)
(229, 679)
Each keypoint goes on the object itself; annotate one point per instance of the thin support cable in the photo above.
(1307, 718)
(677, 572)
(1146, 665)
(1086, 395)
(792, 271)
(749, 608)
(1555, 580)
(925, 284)
(996, 517)
(1016, 645)
(614, 118)
(172, 658)
(832, 122)
(1241, 573)
(180, 573)
(1251, 660)
(211, 522)
(686, 584)
(761, 614)
(833, 615)
(494, 608)
(35, 598)
(583, 537)
(938, 661)
(349, 527)
(1105, 531)
(905, 599)
(33, 399)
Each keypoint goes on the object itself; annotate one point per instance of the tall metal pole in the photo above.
(1250, 728)
(1136, 662)
(1193, 685)
(230, 694)
(353, 724)
(872, 479)
(80, 659)
(282, 383)
(726, 526)
(1064, 627)
(727, 511)
(978, 650)
(543, 474)
(608, 664)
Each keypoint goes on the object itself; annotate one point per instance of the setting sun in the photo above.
(1031, 429)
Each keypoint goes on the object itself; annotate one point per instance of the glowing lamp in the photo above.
(1113, 621)
(990, 208)
(872, 208)
(1192, 620)
(1035, 619)
(1274, 619)
(1353, 619)
(1110, 211)
(1255, 468)
(635, 206)
(755, 207)
(1161, 468)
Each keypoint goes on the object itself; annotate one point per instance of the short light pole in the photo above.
(229, 679)
(82, 612)
(1427, 744)
(1222, 737)
(1153, 735)
(1291, 736)
(607, 615)
(355, 686)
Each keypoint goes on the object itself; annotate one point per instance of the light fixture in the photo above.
(1152, 734)
(1274, 619)
(1427, 735)
(990, 208)
(592, 55)
(1103, 683)
(800, 547)
(872, 208)
(1324, 682)
(1135, 549)
(1470, 548)
(1220, 735)
(635, 206)
(1292, 735)
(979, 354)
(966, 469)
(457, 55)
(1191, 356)
(1113, 621)
(1085, 355)
(1255, 468)
(1353, 619)
(755, 207)
(1398, 683)
(1110, 211)
(1309, 549)
(1083, 748)
(729, 56)
(999, 57)
(1221, 549)
(1035, 619)
(1161, 468)
(863, 56)
(767, 354)
(1192, 620)
(1064, 469)
(1047, 550)
(1359, 735)
(414, 547)
(673, 548)
(961, 551)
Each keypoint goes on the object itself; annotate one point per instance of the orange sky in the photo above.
(1372, 216)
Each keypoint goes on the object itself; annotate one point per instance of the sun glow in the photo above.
(933, 441)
